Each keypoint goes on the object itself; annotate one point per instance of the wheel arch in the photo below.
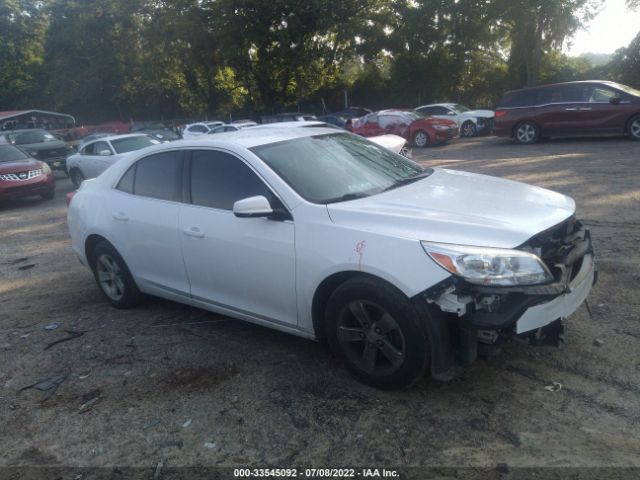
(326, 288)
(627, 123)
(91, 243)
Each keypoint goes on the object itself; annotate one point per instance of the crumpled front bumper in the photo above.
(561, 307)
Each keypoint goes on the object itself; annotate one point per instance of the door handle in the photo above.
(586, 109)
(194, 232)
(571, 109)
(121, 216)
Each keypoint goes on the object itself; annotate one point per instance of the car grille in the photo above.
(21, 176)
(56, 152)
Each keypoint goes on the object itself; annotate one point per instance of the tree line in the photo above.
(155, 59)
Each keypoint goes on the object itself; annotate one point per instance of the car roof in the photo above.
(116, 137)
(264, 135)
(448, 104)
(576, 82)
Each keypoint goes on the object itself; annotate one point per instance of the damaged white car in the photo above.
(324, 234)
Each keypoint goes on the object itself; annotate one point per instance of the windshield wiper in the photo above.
(346, 197)
(406, 181)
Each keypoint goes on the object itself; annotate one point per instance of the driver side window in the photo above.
(89, 149)
(219, 179)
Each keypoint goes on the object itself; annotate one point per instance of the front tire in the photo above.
(527, 133)
(113, 277)
(77, 177)
(634, 127)
(420, 139)
(468, 129)
(375, 330)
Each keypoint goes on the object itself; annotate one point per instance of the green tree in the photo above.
(23, 25)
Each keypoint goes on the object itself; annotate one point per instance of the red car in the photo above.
(22, 176)
(420, 130)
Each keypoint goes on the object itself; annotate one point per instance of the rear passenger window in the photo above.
(219, 179)
(126, 182)
(159, 176)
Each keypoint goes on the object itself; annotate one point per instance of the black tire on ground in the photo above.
(634, 127)
(468, 129)
(527, 133)
(49, 195)
(113, 277)
(420, 139)
(375, 330)
(76, 177)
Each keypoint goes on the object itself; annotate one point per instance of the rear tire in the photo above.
(113, 277)
(375, 330)
(527, 133)
(76, 177)
(420, 139)
(634, 127)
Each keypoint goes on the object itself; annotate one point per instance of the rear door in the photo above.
(144, 215)
(560, 109)
(372, 126)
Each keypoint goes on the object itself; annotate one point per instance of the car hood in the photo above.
(458, 207)
(479, 113)
(389, 141)
(43, 146)
(20, 166)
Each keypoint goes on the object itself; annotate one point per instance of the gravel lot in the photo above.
(172, 384)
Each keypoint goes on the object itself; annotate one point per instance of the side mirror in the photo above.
(104, 153)
(252, 207)
(451, 113)
(615, 100)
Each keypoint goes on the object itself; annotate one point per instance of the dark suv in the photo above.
(569, 109)
(41, 145)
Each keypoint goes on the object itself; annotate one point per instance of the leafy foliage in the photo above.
(125, 59)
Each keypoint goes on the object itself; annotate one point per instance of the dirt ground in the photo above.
(169, 384)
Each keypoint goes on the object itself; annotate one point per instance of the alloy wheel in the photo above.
(526, 133)
(110, 277)
(468, 129)
(371, 338)
(634, 128)
(420, 139)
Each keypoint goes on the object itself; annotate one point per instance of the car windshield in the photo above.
(412, 115)
(30, 137)
(129, 144)
(460, 108)
(164, 135)
(627, 89)
(337, 167)
(9, 153)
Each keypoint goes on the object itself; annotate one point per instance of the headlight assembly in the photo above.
(489, 266)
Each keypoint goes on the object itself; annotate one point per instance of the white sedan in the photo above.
(322, 233)
(197, 130)
(99, 154)
(470, 122)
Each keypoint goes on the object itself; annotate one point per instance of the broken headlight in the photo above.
(489, 266)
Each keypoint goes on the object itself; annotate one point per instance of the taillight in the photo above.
(70, 197)
(500, 113)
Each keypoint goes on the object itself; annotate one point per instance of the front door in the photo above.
(246, 264)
